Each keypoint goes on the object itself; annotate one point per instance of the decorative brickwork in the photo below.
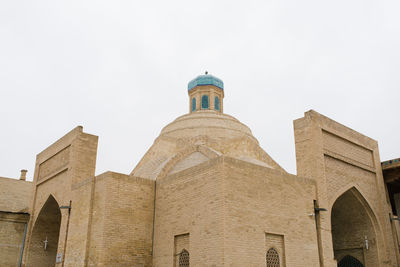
(272, 258)
(184, 258)
(181, 254)
(54, 164)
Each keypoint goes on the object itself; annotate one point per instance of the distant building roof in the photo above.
(15, 195)
(389, 164)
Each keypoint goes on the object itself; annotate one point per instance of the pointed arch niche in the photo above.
(44, 240)
(354, 229)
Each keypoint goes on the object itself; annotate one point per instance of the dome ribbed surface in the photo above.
(209, 123)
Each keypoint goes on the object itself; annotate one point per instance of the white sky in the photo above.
(120, 69)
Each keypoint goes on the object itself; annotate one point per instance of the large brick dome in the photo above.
(200, 136)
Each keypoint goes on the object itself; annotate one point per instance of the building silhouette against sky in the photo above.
(206, 194)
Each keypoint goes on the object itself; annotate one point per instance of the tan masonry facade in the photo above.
(205, 194)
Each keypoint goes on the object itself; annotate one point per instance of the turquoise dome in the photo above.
(206, 79)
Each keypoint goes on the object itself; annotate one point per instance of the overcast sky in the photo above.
(120, 69)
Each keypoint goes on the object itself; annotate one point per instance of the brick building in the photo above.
(205, 194)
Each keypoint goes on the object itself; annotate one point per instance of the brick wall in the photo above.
(227, 206)
(14, 214)
(261, 200)
(190, 202)
(122, 221)
(11, 235)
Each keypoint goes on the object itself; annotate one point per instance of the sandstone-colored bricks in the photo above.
(14, 215)
(207, 188)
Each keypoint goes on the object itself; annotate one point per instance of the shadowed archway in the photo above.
(44, 240)
(349, 261)
(353, 230)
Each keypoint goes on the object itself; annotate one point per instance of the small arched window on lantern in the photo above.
(272, 258)
(184, 258)
(216, 103)
(204, 102)
(193, 104)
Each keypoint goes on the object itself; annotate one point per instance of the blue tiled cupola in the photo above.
(206, 93)
(206, 79)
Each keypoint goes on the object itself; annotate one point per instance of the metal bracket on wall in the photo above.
(66, 207)
(316, 209)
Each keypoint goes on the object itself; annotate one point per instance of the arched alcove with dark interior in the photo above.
(354, 230)
(44, 240)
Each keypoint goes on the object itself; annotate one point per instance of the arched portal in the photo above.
(353, 230)
(44, 240)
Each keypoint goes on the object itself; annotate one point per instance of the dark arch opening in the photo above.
(44, 239)
(193, 104)
(204, 102)
(349, 261)
(353, 231)
(216, 103)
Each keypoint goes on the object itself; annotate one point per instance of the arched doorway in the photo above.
(353, 231)
(44, 240)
